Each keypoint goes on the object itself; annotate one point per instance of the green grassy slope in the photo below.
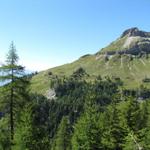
(116, 45)
(131, 70)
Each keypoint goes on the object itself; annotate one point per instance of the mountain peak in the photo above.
(132, 41)
(135, 32)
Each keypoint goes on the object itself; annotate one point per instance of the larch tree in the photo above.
(14, 86)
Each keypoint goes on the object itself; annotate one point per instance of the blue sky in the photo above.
(49, 33)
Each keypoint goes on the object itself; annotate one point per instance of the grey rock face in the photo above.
(50, 94)
(132, 42)
(135, 32)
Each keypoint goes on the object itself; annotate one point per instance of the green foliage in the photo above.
(32, 132)
(23, 135)
(79, 73)
(129, 143)
(115, 128)
(131, 72)
(84, 115)
(144, 133)
(87, 134)
(63, 136)
(40, 138)
(14, 91)
(133, 114)
(4, 134)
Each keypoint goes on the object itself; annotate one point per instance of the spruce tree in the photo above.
(88, 129)
(23, 136)
(115, 128)
(62, 139)
(133, 119)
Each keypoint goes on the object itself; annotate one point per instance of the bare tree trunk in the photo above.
(11, 116)
(11, 108)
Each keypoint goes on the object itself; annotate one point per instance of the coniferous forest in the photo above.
(97, 114)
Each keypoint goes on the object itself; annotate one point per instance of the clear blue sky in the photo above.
(49, 33)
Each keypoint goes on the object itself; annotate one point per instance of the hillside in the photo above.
(127, 58)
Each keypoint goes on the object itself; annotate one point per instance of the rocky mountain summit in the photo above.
(135, 32)
(132, 41)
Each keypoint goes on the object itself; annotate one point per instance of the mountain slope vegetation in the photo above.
(94, 103)
(126, 58)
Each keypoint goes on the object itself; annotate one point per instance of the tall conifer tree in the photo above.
(14, 83)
